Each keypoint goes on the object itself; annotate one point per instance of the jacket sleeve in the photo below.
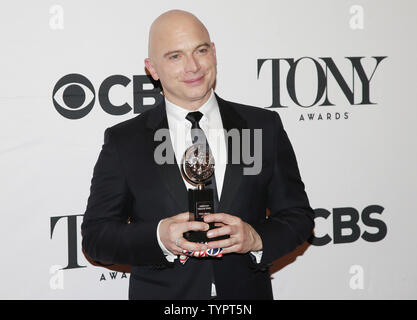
(291, 219)
(106, 234)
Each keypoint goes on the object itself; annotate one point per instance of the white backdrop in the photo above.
(364, 156)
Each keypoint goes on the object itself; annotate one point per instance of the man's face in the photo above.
(183, 58)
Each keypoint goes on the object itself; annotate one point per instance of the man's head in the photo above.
(182, 57)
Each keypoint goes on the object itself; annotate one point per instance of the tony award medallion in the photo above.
(197, 168)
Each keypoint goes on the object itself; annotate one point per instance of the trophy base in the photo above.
(200, 203)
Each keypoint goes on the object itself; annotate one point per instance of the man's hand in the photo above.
(243, 238)
(171, 233)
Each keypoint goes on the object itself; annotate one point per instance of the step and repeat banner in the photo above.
(341, 74)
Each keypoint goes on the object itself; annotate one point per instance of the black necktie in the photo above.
(197, 134)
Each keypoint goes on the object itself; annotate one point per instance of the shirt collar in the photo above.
(179, 113)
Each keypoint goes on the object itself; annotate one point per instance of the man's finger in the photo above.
(220, 217)
(225, 243)
(219, 224)
(226, 229)
(231, 249)
(177, 228)
(192, 226)
(193, 246)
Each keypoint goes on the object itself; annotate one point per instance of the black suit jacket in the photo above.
(127, 184)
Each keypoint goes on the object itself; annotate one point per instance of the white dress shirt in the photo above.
(212, 125)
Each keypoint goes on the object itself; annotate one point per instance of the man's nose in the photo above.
(192, 64)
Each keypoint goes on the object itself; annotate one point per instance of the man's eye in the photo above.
(203, 50)
(174, 57)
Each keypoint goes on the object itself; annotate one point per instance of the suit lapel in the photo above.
(169, 174)
(233, 175)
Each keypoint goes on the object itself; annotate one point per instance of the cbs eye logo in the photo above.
(73, 96)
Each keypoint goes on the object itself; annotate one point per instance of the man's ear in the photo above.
(151, 69)
(213, 48)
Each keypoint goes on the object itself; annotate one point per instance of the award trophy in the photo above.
(197, 168)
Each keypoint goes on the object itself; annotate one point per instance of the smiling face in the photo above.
(183, 58)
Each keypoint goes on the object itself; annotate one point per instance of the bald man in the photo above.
(137, 212)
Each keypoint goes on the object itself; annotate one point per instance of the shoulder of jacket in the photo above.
(254, 113)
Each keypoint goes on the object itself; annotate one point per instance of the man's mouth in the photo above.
(194, 81)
